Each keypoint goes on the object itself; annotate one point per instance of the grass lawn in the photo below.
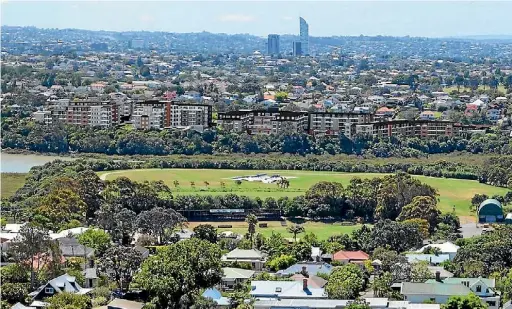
(452, 192)
(322, 230)
(11, 182)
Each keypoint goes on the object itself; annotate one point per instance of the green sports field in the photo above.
(452, 192)
(321, 230)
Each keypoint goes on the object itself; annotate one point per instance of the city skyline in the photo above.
(398, 18)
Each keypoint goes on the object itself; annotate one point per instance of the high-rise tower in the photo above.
(304, 36)
(273, 44)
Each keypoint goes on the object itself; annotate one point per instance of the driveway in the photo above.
(470, 230)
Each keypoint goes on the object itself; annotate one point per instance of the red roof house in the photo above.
(350, 256)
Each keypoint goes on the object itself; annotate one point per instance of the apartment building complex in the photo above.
(336, 123)
(418, 128)
(272, 121)
(148, 115)
(182, 115)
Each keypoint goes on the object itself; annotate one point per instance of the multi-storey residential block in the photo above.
(418, 128)
(236, 121)
(181, 115)
(91, 113)
(336, 123)
(148, 115)
(44, 117)
(263, 121)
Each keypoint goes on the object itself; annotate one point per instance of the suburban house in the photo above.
(309, 268)
(448, 248)
(234, 276)
(345, 257)
(490, 211)
(427, 115)
(64, 283)
(119, 303)
(374, 303)
(285, 289)
(313, 281)
(439, 291)
(432, 259)
(253, 257)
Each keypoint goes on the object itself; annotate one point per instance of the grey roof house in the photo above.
(254, 257)
(64, 283)
(285, 289)
(234, 276)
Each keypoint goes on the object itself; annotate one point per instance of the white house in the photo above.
(444, 248)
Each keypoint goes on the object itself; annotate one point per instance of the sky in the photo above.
(325, 18)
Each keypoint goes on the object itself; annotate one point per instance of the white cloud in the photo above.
(287, 18)
(237, 18)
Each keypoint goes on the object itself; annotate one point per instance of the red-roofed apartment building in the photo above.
(345, 257)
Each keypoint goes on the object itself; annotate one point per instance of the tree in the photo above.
(14, 292)
(14, 273)
(120, 264)
(206, 232)
(301, 251)
(464, 302)
(176, 183)
(30, 243)
(179, 271)
(382, 285)
(192, 184)
(158, 220)
(295, 229)
(422, 207)
(358, 304)
(477, 199)
(281, 262)
(67, 300)
(396, 191)
(61, 206)
(206, 183)
(395, 235)
(420, 272)
(120, 222)
(504, 285)
(97, 239)
(251, 220)
(345, 282)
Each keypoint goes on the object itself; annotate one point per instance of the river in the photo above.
(22, 163)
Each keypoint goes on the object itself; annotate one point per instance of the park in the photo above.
(454, 194)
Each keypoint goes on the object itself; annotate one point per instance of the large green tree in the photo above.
(120, 264)
(294, 230)
(97, 239)
(30, 244)
(252, 221)
(464, 302)
(67, 300)
(206, 232)
(158, 220)
(178, 272)
(345, 282)
(422, 207)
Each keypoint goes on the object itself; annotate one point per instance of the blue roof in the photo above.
(212, 293)
(312, 269)
(431, 258)
(284, 289)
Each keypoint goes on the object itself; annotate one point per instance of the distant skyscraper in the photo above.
(273, 44)
(297, 48)
(304, 36)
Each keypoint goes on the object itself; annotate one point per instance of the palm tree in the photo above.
(296, 229)
(206, 183)
(251, 220)
(192, 184)
(222, 184)
(176, 183)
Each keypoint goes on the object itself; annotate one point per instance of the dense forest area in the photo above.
(27, 135)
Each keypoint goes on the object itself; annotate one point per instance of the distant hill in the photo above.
(488, 38)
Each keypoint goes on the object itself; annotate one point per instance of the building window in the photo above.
(491, 303)
(49, 290)
(478, 288)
